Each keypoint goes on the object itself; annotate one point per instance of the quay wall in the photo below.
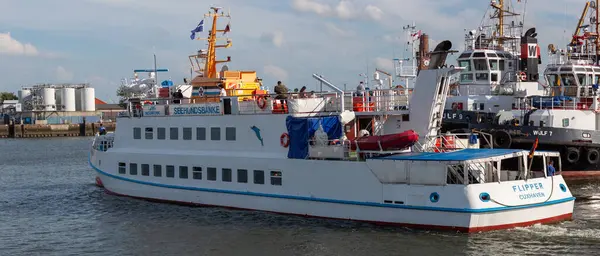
(52, 130)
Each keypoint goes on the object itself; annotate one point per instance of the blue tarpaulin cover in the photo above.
(459, 155)
(167, 83)
(301, 129)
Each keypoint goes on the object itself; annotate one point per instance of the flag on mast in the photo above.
(227, 29)
(198, 28)
(416, 35)
(535, 145)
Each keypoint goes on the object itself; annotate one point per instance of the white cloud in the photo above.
(63, 74)
(11, 46)
(275, 72)
(336, 31)
(311, 6)
(345, 9)
(275, 38)
(374, 12)
(386, 64)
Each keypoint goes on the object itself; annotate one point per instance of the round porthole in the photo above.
(434, 197)
(484, 197)
(563, 187)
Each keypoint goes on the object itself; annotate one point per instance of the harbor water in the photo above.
(49, 205)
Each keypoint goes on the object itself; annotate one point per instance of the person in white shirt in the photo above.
(223, 93)
(360, 89)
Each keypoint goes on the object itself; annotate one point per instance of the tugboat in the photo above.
(566, 116)
(499, 65)
(237, 151)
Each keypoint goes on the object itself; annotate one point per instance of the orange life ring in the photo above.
(261, 102)
(523, 76)
(284, 140)
(148, 102)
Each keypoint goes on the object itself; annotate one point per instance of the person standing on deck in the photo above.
(222, 92)
(177, 96)
(550, 170)
(360, 89)
(282, 93)
(101, 130)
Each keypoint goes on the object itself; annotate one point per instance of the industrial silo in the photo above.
(88, 99)
(23, 95)
(49, 99)
(68, 99)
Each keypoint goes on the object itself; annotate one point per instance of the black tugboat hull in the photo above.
(580, 149)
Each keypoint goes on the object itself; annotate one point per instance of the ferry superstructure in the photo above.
(304, 159)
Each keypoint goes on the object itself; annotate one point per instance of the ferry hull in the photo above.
(468, 222)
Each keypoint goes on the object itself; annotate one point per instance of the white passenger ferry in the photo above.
(253, 152)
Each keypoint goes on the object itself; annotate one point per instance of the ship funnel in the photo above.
(530, 56)
(439, 54)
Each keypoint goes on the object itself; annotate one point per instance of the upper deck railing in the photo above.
(373, 101)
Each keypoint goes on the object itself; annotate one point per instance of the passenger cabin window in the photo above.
(197, 173)
(230, 133)
(502, 65)
(170, 171)
(161, 133)
(494, 65)
(480, 65)
(226, 175)
(187, 133)
(215, 133)
(133, 169)
(122, 168)
(464, 78)
(211, 173)
(145, 170)
(157, 170)
(259, 177)
(479, 55)
(465, 64)
(276, 178)
(465, 55)
(174, 133)
(482, 76)
(149, 133)
(137, 133)
(200, 133)
(183, 172)
(242, 176)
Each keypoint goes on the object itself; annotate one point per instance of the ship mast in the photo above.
(502, 11)
(596, 21)
(210, 57)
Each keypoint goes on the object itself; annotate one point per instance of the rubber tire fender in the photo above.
(593, 156)
(501, 139)
(572, 155)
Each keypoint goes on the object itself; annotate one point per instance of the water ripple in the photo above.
(50, 206)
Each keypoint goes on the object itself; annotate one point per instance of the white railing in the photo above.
(387, 100)
(406, 71)
(103, 142)
(453, 141)
(556, 102)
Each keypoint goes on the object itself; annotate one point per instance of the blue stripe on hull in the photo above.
(336, 201)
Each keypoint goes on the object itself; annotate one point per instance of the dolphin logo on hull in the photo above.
(257, 132)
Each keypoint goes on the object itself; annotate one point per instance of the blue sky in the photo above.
(102, 41)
